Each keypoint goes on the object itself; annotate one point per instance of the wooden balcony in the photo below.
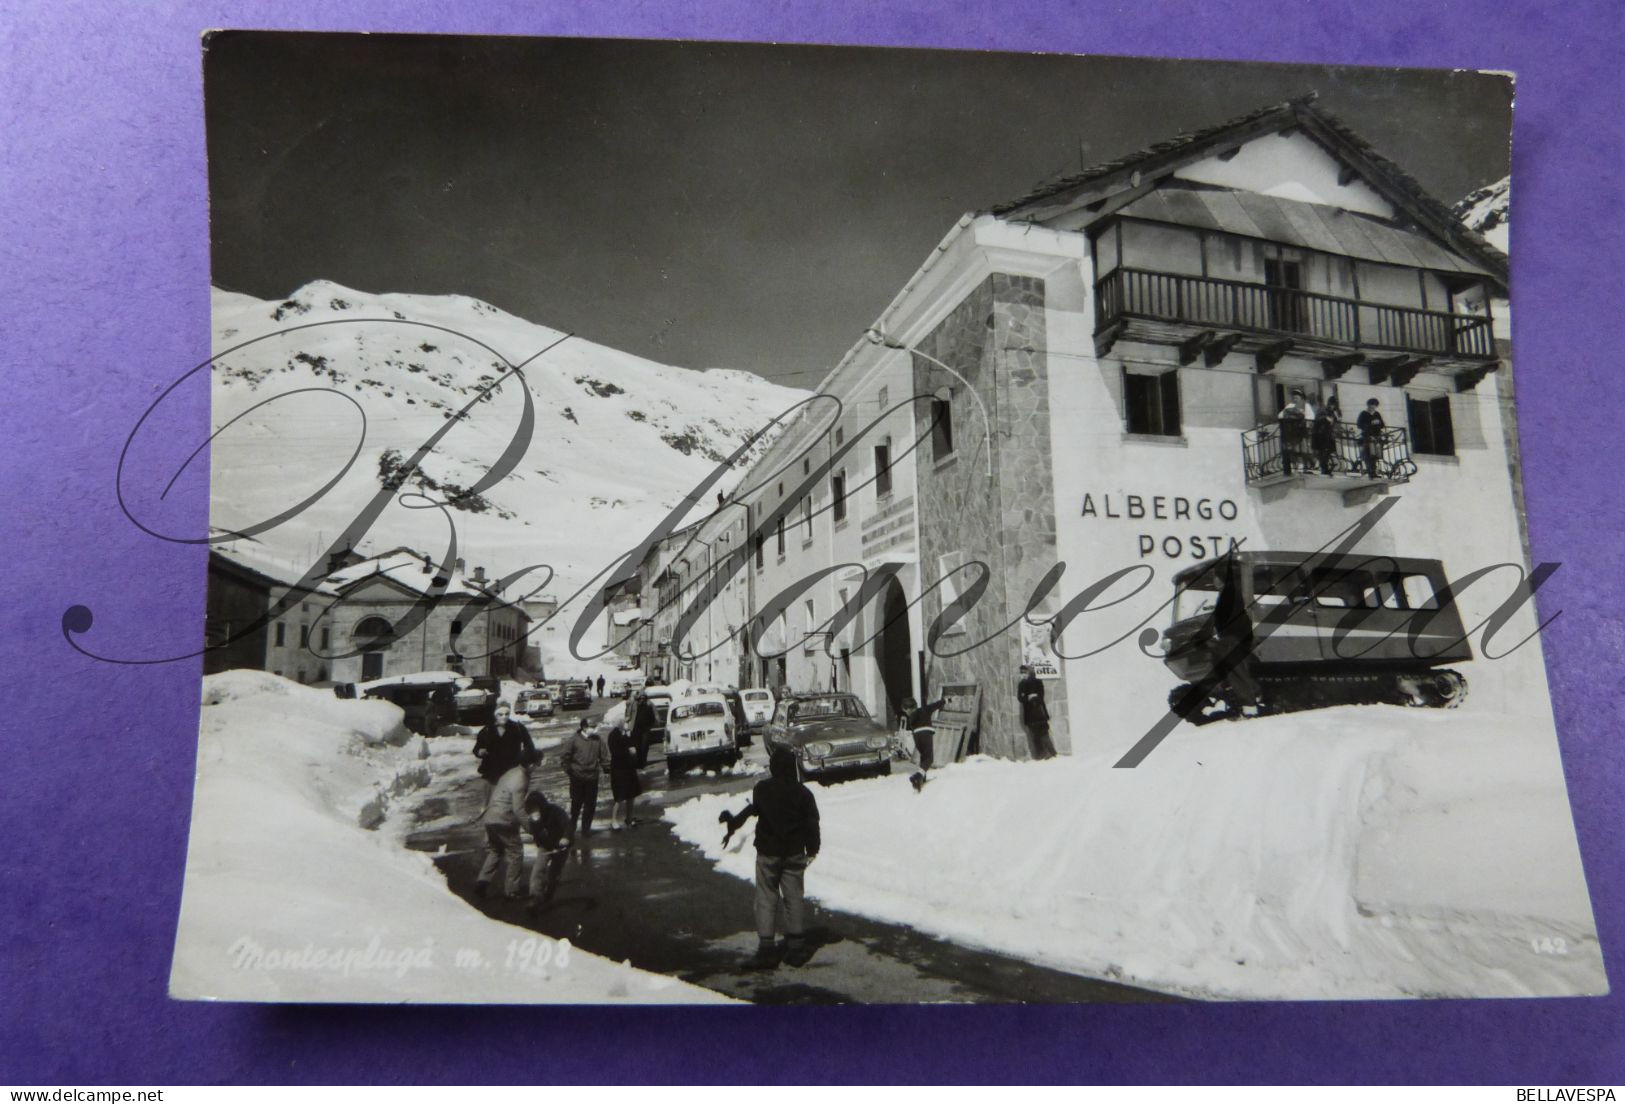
(1200, 313)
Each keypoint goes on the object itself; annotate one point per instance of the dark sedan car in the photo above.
(832, 735)
(575, 695)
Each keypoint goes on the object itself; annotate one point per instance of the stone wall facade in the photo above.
(995, 339)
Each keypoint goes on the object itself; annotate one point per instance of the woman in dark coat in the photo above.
(624, 784)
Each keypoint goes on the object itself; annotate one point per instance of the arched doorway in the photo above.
(374, 635)
(895, 650)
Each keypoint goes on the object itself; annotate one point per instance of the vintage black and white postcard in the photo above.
(696, 522)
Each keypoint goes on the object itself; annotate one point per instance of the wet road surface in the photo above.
(643, 895)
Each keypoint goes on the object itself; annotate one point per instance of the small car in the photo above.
(758, 708)
(699, 733)
(426, 705)
(477, 699)
(534, 703)
(575, 695)
(832, 735)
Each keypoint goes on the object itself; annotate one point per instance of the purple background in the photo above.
(104, 294)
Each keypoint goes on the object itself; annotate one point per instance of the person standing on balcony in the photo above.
(1294, 419)
(1372, 428)
(1323, 437)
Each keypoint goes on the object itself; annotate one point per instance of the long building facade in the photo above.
(1081, 392)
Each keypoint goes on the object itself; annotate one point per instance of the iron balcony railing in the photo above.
(1268, 454)
(1233, 304)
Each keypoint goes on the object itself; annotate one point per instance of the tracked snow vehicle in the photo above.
(1273, 632)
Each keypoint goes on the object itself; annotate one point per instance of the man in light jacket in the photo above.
(504, 813)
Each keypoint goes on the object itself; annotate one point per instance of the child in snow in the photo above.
(553, 833)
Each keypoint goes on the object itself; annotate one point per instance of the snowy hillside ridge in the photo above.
(618, 440)
(1329, 855)
(288, 898)
(1487, 211)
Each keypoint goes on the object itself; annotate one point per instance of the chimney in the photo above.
(337, 560)
(460, 568)
(479, 572)
(428, 567)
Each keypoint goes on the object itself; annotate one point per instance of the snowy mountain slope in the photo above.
(617, 440)
(1487, 211)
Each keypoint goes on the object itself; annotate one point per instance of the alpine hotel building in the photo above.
(1091, 375)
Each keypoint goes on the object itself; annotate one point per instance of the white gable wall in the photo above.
(1292, 167)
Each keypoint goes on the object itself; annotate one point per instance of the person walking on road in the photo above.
(624, 784)
(643, 728)
(553, 833)
(584, 760)
(1034, 713)
(600, 686)
(503, 814)
(787, 840)
(500, 745)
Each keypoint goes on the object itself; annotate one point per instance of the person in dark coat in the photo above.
(553, 833)
(624, 784)
(1034, 713)
(600, 686)
(787, 841)
(500, 744)
(584, 760)
(1372, 430)
(918, 720)
(643, 728)
(1323, 435)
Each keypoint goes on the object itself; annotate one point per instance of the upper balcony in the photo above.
(1198, 312)
(1391, 299)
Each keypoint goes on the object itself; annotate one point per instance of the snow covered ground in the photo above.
(1359, 852)
(289, 898)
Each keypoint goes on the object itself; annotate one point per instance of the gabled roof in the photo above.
(405, 568)
(1338, 139)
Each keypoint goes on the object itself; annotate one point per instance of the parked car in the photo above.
(427, 703)
(699, 733)
(477, 700)
(534, 703)
(575, 695)
(758, 708)
(832, 735)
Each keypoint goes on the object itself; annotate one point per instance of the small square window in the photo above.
(1432, 431)
(1151, 404)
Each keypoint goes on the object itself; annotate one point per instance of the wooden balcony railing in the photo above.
(1335, 320)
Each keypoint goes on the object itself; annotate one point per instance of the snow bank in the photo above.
(1361, 852)
(289, 898)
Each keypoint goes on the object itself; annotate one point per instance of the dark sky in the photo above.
(709, 205)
